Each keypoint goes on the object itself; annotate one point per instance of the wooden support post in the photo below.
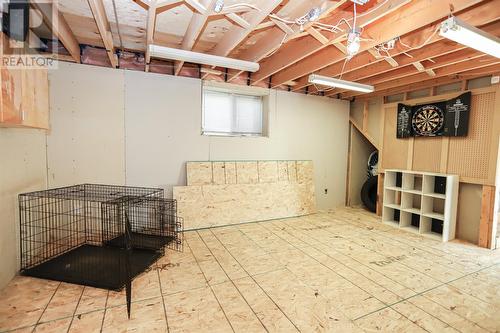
(365, 117)
(464, 85)
(349, 167)
(487, 214)
(380, 194)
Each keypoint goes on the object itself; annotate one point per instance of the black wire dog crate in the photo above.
(96, 235)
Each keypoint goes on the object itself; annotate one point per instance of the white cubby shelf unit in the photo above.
(421, 202)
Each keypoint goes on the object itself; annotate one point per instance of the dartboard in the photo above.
(428, 120)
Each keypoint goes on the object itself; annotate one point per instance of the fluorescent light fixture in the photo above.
(463, 33)
(335, 83)
(163, 52)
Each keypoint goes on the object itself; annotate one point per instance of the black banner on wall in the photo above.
(450, 118)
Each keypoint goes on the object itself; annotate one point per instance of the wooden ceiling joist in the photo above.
(399, 23)
(306, 48)
(367, 66)
(198, 6)
(60, 28)
(442, 52)
(237, 34)
(439, 62)
(433, 82)
(195, 28)
(275, 37)
(97, 8)
(150, 30)
(477, 63)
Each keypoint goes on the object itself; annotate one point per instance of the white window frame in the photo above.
(233, 95)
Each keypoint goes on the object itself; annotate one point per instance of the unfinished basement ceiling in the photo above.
(288, 52)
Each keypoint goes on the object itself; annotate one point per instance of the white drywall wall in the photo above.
(163, 131)
(118, 127)
(22, 169)
(86, 138)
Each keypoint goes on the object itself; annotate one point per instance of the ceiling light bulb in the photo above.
(353, 43)
(218, 6)
(313, 14)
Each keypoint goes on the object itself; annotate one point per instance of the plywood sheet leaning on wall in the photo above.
(222, 193)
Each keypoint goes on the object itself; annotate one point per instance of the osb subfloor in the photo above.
(335, 272)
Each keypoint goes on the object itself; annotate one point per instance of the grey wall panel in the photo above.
(86, 139)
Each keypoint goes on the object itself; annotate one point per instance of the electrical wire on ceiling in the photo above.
(312, 20)
(243, 4)
(383, 50)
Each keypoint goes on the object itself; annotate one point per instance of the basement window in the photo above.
(232, 114)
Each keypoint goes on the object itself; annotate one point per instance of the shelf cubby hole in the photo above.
(399, 179)
(412, 182)
(433, 207)
(393, 179)
(434, 185)
(392, 197)
(391, 215)
(431, 226)
(415, 221)
(440, 185)
(411, 202)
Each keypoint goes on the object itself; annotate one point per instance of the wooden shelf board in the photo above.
(393, 188)
(393, 206)
(413, 191)
(434, 216)
(412, 210)
(435, 195)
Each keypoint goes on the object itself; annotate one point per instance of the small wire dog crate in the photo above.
(96, 235)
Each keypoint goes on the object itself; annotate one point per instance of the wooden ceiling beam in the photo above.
(441, 53)
(60, 28)
(194, 30)
(481, 62)
(143, 3)
(236, 35)
(306, 47)
(274, 38)
(426, 67)
(318, 35)
(364, 65)
(150, 30)
(97, 8)
(417, 13)
(198, 6)
(459, 77)
(238, 20)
